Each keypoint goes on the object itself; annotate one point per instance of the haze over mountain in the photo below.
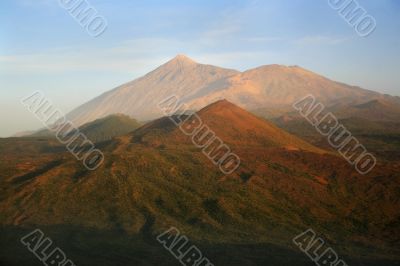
(98, 130)
(199, 85)
(374, 110)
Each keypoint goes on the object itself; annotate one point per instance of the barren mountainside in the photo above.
(139, 98)
(199, 85)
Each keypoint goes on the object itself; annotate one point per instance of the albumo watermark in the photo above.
(338, 136)
(42, 247)
(355, 15)
(202, 136)
(86, 15)
(65, 132)
(313, 248)
(178, 245)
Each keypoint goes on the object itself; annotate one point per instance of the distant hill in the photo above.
(269, 87)
(381, 137)
(375, 123)
(102, 129)
(374, 110)
(109, 127)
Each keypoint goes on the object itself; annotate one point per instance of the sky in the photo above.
(43, 48)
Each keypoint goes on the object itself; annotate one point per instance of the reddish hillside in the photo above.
(232, 124)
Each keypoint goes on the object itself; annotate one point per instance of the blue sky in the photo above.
(43, 48)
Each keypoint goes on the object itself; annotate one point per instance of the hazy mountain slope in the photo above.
(271, 86)
(142, 189)
(139, 98)
(277, 86)
(374, 110)
(100, 129)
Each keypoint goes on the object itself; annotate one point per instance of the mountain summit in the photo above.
(199, 85)
(183, 59)
(180, 76)
(180, 62)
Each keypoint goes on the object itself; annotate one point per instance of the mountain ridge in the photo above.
(200, 84)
